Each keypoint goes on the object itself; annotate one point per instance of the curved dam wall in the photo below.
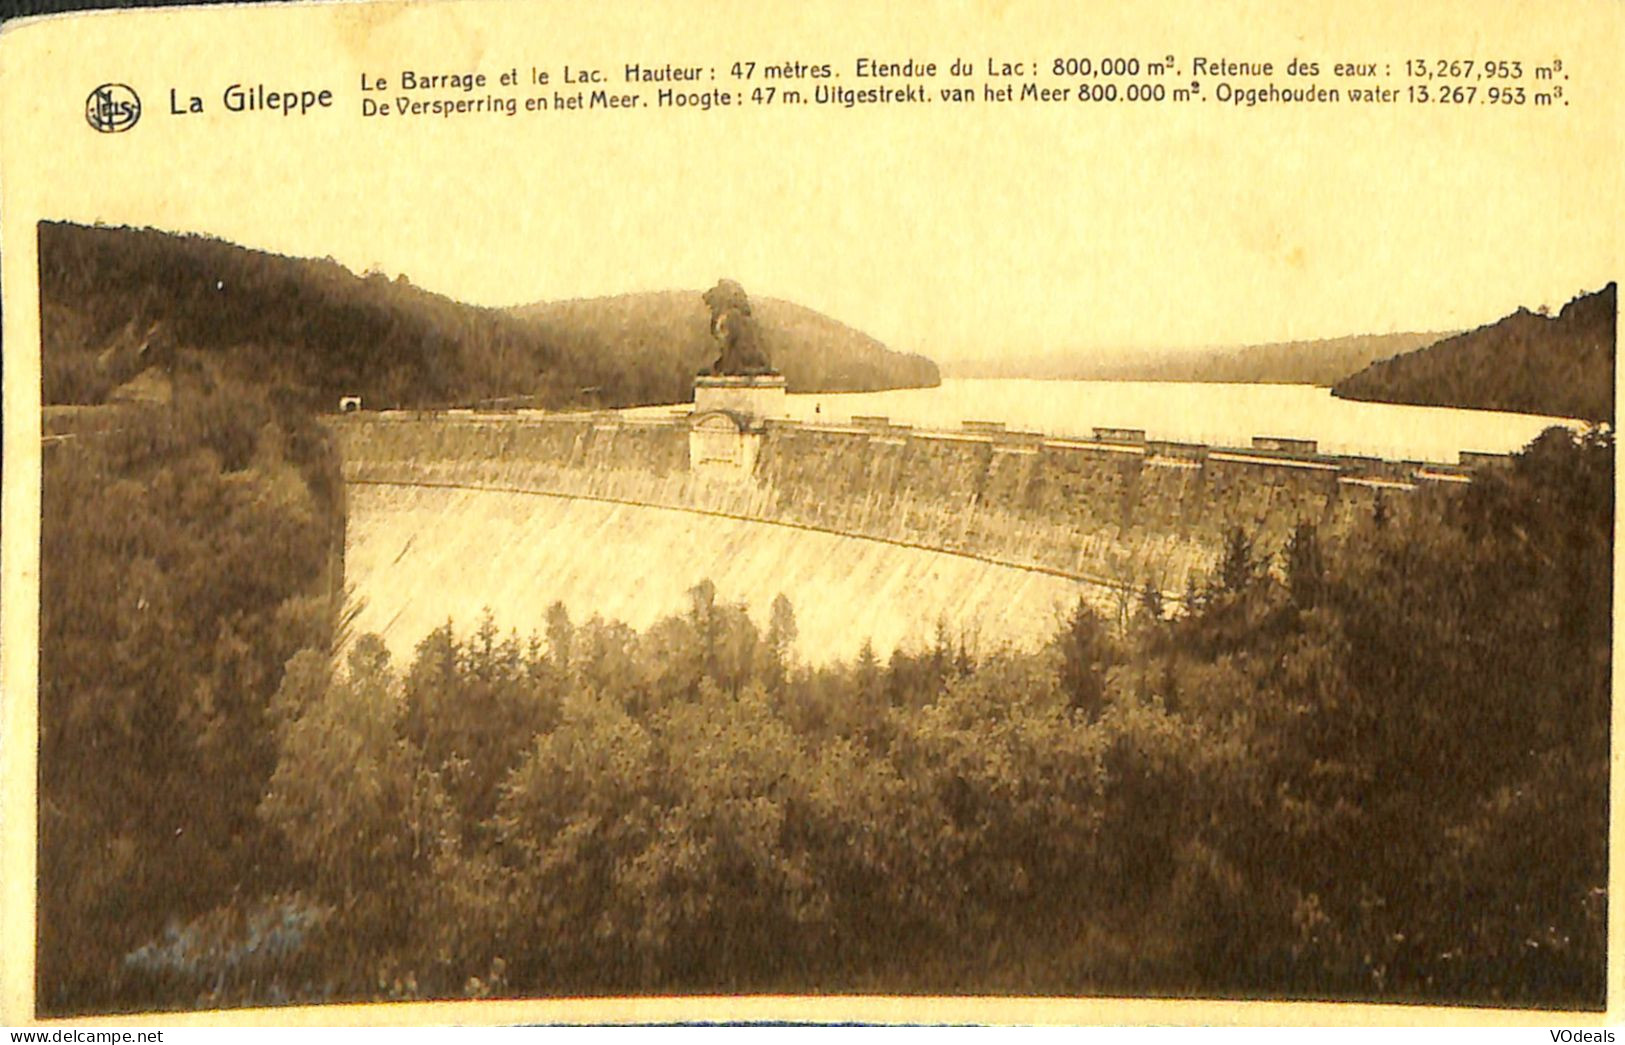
(420, 556)
(984, 529)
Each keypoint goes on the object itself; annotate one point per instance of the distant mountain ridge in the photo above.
(668, 332)
(1321, 362)
(125, 307)
(1559, 365)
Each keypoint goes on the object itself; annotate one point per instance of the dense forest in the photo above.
(1373, 768)
(185, 556)
(1560, 366)
(1322, 362)
(117, 300)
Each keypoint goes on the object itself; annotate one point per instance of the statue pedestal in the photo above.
(752, 397)
(730, 414)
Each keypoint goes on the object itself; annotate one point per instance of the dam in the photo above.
(422, 555)
(874, 530)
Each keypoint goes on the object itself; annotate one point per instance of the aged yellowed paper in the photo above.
(1012, 513)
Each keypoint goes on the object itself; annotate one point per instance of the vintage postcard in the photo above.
(1022, 512)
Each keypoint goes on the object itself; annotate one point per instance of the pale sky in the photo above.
(958, 232)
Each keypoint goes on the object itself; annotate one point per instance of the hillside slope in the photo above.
(1561, 366)
(1322, 362)
(117, 302)
(668, 333)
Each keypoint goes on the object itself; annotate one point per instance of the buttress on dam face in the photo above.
(876, 532)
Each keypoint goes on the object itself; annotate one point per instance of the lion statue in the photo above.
(733, 329)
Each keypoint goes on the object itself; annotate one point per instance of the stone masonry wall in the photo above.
(1116, 512)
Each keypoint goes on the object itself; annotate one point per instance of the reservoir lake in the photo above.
(1213, 414)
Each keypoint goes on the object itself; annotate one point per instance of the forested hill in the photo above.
(1559, 365)
(121, 303)
(668, 332)
(1321, 362)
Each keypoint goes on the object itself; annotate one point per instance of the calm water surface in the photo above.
(1216, 414)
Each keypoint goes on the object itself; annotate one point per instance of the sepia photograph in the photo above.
(811, 524)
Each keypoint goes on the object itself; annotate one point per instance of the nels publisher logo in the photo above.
(112, 107)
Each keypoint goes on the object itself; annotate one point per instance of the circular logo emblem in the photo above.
(112, 107)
